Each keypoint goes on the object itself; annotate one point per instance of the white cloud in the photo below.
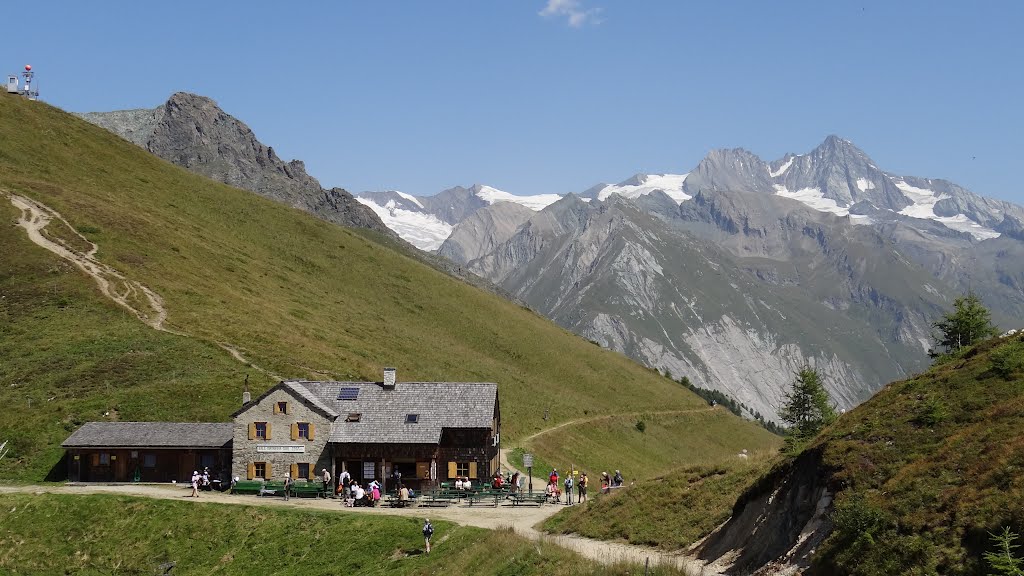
(574, 12)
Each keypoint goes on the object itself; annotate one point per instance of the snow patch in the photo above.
(813, 198)
(535, 203)
(410, 198)
(670, 184)
(782, 169)
(864, 184)
(424, 231)
(923, 207)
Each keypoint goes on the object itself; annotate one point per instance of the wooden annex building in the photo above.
(147, 451)
(426, 431)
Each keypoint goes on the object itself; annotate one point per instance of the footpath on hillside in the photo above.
(137, 298)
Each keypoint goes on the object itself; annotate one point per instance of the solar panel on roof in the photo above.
(348, 394)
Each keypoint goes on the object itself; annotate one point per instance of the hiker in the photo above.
(605, 483)
(195, 484)
(582, 488)
(617, 480)
(358, 495)
(553, 477)
(568, 489)
(458, 482)
(345, 478)
(327, 483)
(346, 492)
(374, 493)
(514, 483)
(403, 496)
(428, 531)
(287, 485)
(466, 484)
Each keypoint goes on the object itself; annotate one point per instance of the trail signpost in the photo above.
(528, 462)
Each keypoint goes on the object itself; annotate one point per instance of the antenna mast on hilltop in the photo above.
(28, 91)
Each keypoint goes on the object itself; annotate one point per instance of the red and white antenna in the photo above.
(28, 75)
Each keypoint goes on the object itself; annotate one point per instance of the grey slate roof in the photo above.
(383, 412)
(151, 435)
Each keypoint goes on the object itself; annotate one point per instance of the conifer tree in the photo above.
(968, 323)
(807, 408)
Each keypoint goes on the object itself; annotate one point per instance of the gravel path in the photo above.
(522, 520)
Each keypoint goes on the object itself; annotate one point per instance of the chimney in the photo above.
(389, 378)
(246, 397)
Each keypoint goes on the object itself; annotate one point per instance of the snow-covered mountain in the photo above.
(740, 271)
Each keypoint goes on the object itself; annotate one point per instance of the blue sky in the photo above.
(536, 97)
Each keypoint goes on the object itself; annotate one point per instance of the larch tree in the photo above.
(807, 408)
(968, 323)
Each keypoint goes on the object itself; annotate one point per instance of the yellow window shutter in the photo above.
(277, 408)
(268, 430)
(312, 431)
(312, 469)
(295, 471)
(95, 459)
(295, 431)
(251, 472)
(268, 472)
(451, 470)
(252, 430)
(472, 469)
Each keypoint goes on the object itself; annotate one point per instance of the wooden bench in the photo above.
(489, 498)
(247, 487)
(313, 489)
(535, 499)
(273, 488)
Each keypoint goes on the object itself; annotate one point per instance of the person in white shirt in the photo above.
(458, 483)
(466, 484)
(358, 493)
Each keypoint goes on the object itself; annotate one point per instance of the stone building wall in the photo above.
(248, 450)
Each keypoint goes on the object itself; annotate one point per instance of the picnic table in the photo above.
(247, 487)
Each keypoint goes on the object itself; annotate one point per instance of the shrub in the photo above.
(932, 412)
(640, 425)
(857, 520)
(1008, 360)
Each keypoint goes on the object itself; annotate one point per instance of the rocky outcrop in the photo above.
(776, 524)
(194, 133)
(483, 231)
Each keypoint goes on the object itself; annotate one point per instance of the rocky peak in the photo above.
(729, 169)
(193, 132)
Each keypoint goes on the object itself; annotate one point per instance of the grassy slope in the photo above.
(301, 297)
(70, 356)
(927, 468)
(704, 437)
(51, 534)
(670, 511)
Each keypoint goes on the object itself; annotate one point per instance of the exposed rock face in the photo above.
(193, 132)
(777, 287)
(484, 231)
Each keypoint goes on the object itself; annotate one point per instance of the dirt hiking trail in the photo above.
(132, 295)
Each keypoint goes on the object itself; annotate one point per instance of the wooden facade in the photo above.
(145, 465)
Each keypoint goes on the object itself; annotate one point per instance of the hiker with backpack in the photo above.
(568, 489)
(428, 531)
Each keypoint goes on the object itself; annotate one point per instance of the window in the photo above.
(462, 468)
(104, 459)
(149, 460)
(412, 418)
(259, 469)
(303, 470)
(281, 408)
(353, 417)
(303, 434)
(261, 430)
